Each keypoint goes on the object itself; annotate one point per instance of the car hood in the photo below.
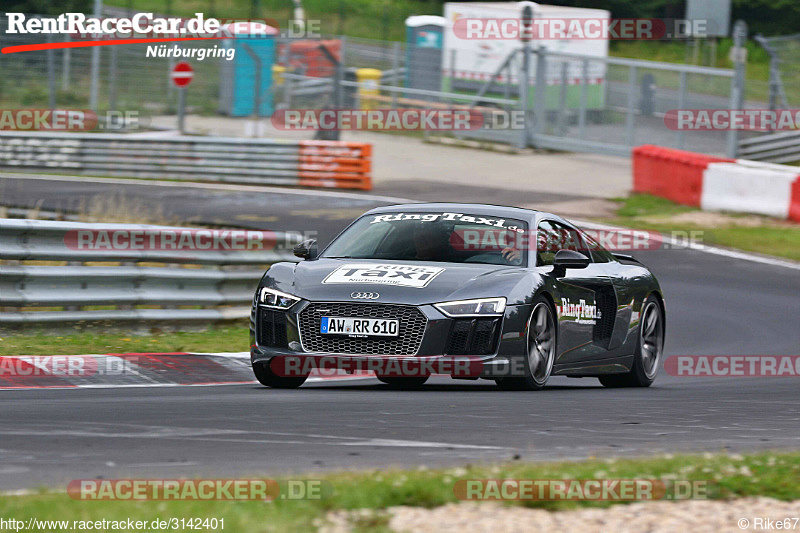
(325, 280)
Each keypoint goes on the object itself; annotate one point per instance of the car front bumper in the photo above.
(439, 347)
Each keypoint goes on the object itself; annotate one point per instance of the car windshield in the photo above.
(433, 236)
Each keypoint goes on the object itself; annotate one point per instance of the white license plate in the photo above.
(378, 327)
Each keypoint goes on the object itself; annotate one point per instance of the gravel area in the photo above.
(651, 517)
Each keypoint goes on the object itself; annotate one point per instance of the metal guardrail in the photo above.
(778, 147)
(220, 159)
(216, 284)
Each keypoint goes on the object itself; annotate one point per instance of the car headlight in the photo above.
(479, 307)
(276, 299)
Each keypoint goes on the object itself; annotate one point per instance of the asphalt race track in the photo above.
(716, 305)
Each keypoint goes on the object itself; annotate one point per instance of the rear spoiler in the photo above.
(626, 257)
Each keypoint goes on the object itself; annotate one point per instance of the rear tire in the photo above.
(268, 378)
(649, 347)
(542, 338)
(404, 383)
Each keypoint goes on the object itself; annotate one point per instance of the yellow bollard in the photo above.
(368, 81)
(277, 74)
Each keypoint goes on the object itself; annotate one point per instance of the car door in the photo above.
(585, 302)
(614, 299)
(628, 283)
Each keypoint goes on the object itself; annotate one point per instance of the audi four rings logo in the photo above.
(365, 295)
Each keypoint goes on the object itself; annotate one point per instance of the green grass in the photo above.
(770, 474)
(772, 237)
(224, 339)
(646, 205)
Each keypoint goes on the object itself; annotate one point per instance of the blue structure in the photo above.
(424, 39)
(238, 89)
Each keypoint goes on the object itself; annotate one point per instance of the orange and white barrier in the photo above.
(338, 164)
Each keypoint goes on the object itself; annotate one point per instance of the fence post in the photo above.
(67, 60)
(51, 75)
(629, 118)
(737, 82)
(95, 69)
(395, 71)
(540, 96)
(679, 134)
(524, 86)
(562, 99)
(773, 82)
(452, 70)
(112, 79)
(584, 98)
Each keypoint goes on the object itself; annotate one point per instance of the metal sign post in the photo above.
(181, 75)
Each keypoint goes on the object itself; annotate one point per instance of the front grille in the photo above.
(273, 329)
(411, 329)
(476, 336)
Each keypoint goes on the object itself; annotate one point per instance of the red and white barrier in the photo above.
(749, 187)
(717, 184)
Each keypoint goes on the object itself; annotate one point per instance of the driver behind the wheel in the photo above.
(431, 242)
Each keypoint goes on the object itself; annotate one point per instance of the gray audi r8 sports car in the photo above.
(519, 295)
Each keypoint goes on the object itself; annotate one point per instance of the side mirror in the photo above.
(306, 249)
(570, 259)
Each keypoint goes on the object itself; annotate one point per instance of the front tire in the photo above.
(542, 343)
(268, 378)
(649, 347)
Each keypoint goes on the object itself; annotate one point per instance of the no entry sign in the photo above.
(182, 74)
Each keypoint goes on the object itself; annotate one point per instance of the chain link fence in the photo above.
(784, 79)
(128, 79)
(589, 103)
